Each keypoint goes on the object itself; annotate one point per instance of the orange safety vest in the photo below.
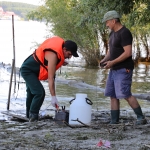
(54, 44)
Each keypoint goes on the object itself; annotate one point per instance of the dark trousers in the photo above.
(35, 91)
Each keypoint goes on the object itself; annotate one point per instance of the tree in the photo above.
(139, 23)
(20, 9)
(81, 21)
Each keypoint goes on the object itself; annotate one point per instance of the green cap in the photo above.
(110, 15)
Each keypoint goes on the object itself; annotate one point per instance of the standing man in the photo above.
(42, 65)
(119, 61)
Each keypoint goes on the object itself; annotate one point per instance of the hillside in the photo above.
(20, 9)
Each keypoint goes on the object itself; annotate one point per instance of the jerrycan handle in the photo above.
(71, 101)
(88, 101)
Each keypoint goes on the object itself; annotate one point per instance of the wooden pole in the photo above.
(14, 55)
(13, 70)
(10, 84)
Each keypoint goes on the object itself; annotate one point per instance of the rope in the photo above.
(43, 111)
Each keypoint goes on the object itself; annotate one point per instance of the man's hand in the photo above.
(109, 64)
(54, 101)
(102, 64)
(65, 63)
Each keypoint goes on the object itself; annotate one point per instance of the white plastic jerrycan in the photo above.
(80, 109)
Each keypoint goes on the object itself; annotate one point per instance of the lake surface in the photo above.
(26, 34)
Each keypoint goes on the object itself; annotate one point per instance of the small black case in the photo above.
(61, 116)
(102, 64)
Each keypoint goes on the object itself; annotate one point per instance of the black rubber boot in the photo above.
(27, 112)
(33, 117)
(115, 116)
(140, 117)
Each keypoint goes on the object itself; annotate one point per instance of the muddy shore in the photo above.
(46, 134)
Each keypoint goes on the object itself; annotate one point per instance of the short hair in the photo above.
(117, 19)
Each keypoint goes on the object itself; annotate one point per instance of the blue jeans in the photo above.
(118, 83)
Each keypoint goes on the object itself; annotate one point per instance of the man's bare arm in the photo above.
(51, 57)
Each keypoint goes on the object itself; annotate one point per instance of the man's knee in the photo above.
(40, 93)
(128, 98)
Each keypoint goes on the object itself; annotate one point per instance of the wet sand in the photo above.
(48, 135)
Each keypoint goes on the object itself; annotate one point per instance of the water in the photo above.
(26, 33)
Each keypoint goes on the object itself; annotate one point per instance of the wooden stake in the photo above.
(13, 69)
(10, 85)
